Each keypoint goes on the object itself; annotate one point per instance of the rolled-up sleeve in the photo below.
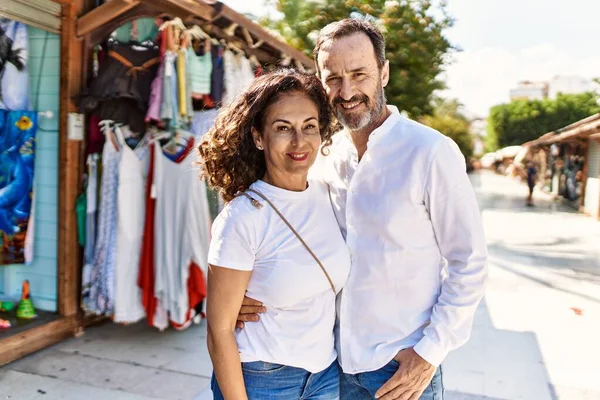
(456, 220)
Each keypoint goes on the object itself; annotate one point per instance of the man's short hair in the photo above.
(348, 27)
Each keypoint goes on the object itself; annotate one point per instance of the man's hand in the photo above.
(249, 312)
(411, 379)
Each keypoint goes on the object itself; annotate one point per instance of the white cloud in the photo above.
(483, 78)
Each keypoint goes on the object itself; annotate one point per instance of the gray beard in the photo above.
(359, 122)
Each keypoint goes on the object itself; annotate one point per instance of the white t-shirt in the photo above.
(297, 328)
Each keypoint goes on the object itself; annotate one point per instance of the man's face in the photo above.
(353, 80)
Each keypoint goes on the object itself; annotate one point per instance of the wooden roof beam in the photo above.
(262, 34)
(100, 16)
(184, 8)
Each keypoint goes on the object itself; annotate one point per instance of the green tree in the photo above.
(448, 120)
(414, 31)
(523, 120)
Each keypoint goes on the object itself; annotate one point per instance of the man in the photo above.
(531, 179)
(410, 218)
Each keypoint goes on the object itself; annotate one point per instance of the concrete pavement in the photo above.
(535, 334)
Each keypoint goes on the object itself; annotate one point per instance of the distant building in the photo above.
(569, 85)
(527, 90)
(566, 84)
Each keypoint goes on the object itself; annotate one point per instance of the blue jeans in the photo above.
(268, 381)
(363, 386)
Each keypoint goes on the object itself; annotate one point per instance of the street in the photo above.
(534, 335)
(535, 332)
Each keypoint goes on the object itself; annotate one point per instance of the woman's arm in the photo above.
(226, 289)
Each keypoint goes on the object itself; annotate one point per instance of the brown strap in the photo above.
(133, 70)
(257, 204)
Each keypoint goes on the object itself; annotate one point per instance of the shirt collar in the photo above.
(387, 125)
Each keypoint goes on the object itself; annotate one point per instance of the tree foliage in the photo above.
(448, 120)
(523, 120)
(414, 31)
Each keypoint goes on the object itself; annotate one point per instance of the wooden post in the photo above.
(69, 170)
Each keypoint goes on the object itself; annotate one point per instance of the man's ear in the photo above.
(385, 73)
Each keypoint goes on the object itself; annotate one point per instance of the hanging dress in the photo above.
(181, 236)
(133, 166)
(102, 290)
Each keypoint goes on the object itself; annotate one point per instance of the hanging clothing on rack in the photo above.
(90, 226)
(169, 112)
(201, 67)
(181, 236)
(217, 75)
(203, 121)
(121, 91)
(133, 167)
(147, 275)
(238, 75)
(102, 290)
(139, 30)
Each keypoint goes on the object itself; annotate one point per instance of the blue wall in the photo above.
(42, 273)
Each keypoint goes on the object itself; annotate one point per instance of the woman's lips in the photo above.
(298, 156)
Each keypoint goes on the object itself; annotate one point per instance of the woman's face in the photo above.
(291, 137)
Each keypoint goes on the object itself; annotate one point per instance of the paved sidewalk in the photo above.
(529, 341)
(114, 362)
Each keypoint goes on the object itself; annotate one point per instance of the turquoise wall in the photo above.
(42, 273)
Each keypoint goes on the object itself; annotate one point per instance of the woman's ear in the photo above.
(257, 138)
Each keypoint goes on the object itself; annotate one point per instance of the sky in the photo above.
(506, 41)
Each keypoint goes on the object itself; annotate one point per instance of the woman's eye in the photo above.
(283, 128)
(310, 127)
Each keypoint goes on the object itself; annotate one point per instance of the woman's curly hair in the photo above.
(230, 161)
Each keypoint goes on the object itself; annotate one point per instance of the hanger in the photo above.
(257, 44)
(286, 60)
(248, 37)
(254, 61)
(236, 49)
(175, 23)
(300, 66)
(230, 30)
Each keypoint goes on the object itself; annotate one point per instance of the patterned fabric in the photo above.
(17, 156)
(102, 293)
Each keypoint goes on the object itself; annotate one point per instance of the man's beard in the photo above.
(356, 121)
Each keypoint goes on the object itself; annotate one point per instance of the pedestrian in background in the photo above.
(531, 179)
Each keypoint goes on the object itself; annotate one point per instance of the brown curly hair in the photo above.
(230, 161)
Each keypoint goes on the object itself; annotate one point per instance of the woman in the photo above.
(257, 155)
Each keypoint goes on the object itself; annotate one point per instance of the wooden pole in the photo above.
(69, 161)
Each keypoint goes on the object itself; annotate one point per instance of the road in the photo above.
(536, 332)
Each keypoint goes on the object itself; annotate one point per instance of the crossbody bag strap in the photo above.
(254, 202)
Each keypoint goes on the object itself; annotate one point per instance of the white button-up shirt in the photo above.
(410, 218)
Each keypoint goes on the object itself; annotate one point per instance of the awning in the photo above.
(214, 17)
(583, 128)
(43, 14)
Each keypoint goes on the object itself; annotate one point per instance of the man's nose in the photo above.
(347, 90)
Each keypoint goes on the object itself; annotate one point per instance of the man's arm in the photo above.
(456, 221)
